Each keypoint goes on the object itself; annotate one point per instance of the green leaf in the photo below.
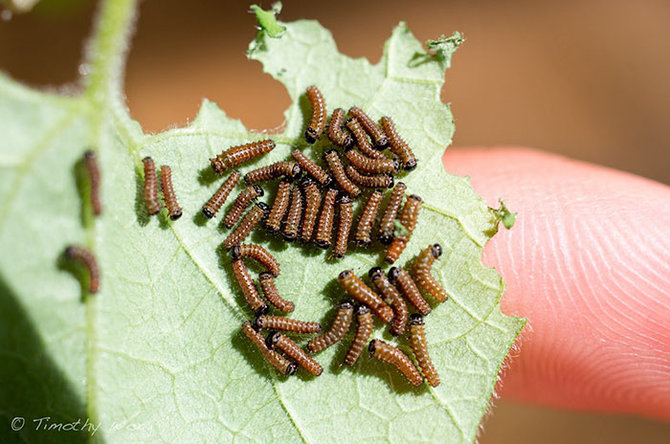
(157, 354)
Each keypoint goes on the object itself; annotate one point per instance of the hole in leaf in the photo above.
(186, 51)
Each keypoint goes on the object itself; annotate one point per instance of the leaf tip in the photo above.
(402, 26)
(267, 20)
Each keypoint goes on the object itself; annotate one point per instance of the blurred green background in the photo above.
(587, 79)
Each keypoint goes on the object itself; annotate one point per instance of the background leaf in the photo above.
(157, 355)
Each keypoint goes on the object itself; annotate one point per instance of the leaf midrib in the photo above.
(109, 40)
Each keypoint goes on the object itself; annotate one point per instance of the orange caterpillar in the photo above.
(265, 322)
(258, 253)
(357, 289)
(366, 164)
(293, 216)
(319, 115)
(398, 146)
(324, 226)
(336, 133)
(367, 220)
(394, 356)
(169, 196)
(279, 206)
(361, 139)
(337, 169)
(272, 295)
(311, 168)
(417, 340)
(236, 155)
(312, 203)
(248, 287)
(346, 218)
(273, 171)
(293, 351)
(93, 171)
(378, 136)
(363, 332)
(283, 365)
(387, 223)
(421, 272)
(403, 281)
(337, 331)
(376, 181)
(215, 202)
(88, 259)
(408, 218)
(391, 295)
(241, 203)
(255, 215)
(150, 193)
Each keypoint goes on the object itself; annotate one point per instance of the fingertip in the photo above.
(588, 264)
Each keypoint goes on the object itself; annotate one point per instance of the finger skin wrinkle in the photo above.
(588, 264)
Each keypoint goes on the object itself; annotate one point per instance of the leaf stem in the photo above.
(105, 60)
(105, 55)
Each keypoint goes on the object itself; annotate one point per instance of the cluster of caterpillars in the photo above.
(313, 203)
(389, 304)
